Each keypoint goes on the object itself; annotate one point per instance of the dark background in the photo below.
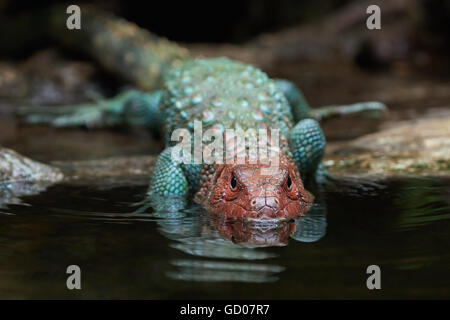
(232, 20)
(204, 21)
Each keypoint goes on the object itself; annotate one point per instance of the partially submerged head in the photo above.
(255, 191)
(259, 233)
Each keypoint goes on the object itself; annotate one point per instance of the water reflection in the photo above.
(211, 241)
(403, 227)
(204, 270)
(12, 191)
(421, 204)
(205, 236)
(313, 226)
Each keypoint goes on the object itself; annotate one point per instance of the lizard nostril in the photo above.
(253, 203)
(272, 202)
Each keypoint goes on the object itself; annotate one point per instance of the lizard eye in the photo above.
(233, 183)
(289, 182)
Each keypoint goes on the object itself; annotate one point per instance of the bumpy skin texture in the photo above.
(225, 94)
(258, 194)
(221, 94)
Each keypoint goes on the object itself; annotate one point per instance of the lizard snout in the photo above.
(266, 207)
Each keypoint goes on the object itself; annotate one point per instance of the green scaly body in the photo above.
(220, 93)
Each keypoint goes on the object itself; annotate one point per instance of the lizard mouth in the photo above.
(267, 212)
(256, 232)
(290, 211)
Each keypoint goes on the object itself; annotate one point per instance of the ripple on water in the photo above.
(402, 226)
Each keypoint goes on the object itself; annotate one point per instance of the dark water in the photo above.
(402, 226)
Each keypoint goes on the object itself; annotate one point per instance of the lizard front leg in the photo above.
(307, 144)
(133, 108)
(172, 183)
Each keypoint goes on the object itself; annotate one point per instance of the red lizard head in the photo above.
(255, 191)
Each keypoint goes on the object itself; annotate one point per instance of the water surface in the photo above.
(403, 226)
